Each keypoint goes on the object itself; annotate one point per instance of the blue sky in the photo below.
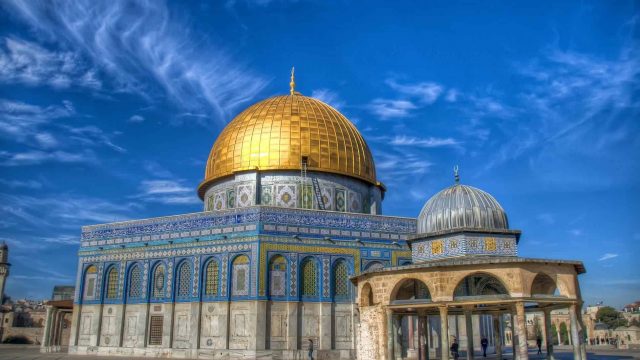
(108, 111)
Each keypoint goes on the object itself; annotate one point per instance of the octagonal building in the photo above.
(291, 249)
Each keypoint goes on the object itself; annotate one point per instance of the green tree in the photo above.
(564, 334)
(554, 334)
(610, 317)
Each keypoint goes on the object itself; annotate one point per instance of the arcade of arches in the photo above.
(403, 309)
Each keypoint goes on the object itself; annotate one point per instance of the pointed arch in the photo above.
(309, 277)
(111, 283)
(134, 282)
(89, 283)
(340, 282)
(366, 295)
(543, 284)
(211, 277)
(240, 275)
(480, 284)
(184, 280)
(410, 290)
(277, 276)
(158, 282)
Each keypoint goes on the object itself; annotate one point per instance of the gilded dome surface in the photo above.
(461, 207)
(276, 133)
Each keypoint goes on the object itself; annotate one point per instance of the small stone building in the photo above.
(465, 279)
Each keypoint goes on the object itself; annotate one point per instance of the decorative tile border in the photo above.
(252, 220)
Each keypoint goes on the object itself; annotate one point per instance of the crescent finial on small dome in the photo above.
(456, 174)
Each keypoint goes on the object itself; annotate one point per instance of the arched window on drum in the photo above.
(240, 276)
(277, 276)
(135, 282)
(184, 280)
(309, 280)
(90, 278)
(111, 286)
(158, 282)
(211, 281)
(341, 284)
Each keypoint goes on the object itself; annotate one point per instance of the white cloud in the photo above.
(576, 232)
(452, 95)
(136, 119)
(167, 192)
(547, 218)
(21, 122)
(401, 166)
(28, 63)
(35, 157)
(329, 97)
(425, 92)
(607, 256)
(430, 142)
(146, 51)
(389, 109)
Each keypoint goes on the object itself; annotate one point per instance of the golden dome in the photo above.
(276, 133)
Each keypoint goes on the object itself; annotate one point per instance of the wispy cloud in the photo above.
(429, 142)
(27, 184)
(607, 256)
(547, 218)
(576, 232)
(390, 109)
(28, 63)
(62, 210)
(425, 92)
(34, 157)
(167, 192)
(136, 118)
(575, 99)
(401, 166)
(146, 51)
(328, 96)
(39, 127)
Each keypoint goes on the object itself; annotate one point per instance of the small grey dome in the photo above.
(460, 207)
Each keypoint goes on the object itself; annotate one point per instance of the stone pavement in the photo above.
(21, 352)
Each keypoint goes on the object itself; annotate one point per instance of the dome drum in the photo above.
(289, 189)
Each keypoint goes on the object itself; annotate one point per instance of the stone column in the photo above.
(497, 336)
(514, 335)
(444, 333)
(410, 344)
(523, 349)
(46, 333)
(468, 328)
(547, 334)
(390, 335)
(575, 338)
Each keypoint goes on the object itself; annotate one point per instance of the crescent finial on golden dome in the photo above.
(292, 84)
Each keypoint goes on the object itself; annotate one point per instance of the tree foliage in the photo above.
(610, 317)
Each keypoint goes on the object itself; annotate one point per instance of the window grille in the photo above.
(155, 332)
(112, 284)
(341, 280)
(309, 278)
(135, 282)
(158, 282)
(184, 280)
(211, 285)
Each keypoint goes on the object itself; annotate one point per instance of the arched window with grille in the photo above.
(341, 286)
(184, 280)
(277, 276)
(90, 278)
(111, 285)
(211, 280)
(135, 282)
(158, 282)
(240, 276)
(309, 280)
